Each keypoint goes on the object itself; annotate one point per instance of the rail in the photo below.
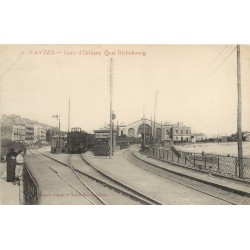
(211, 163)
(31, 192)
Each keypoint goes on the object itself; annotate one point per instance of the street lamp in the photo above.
(58, 118)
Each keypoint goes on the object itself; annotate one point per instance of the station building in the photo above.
(161, 131)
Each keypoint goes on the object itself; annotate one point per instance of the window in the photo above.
(176, 130)
(186, 131)
(182, 131)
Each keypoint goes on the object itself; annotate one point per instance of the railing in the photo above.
(31, 190)
(223, 165)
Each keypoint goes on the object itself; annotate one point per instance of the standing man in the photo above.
(19, 167)
(11, 165)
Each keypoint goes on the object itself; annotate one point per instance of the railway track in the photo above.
(108, 181)
(191, 184)
(94, 196)
(84, 183)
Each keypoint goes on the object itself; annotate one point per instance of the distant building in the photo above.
(141, 128)
(7, 130)
(246, 137)
(16, 128)
(12, 129)
(40, 132)
(181, 133)
(198, 137)
(29, 132)
(225, 139)
(161, 132)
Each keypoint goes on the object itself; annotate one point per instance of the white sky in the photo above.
(194, 85)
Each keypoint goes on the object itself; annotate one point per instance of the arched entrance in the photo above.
(131, 132)
(145, 130)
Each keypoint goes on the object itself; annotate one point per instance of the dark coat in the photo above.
(11, 166)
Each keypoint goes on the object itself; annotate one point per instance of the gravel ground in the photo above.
(9, 193)
(144, 182)
(155, 186)
(111, 196)
(207, 188)
(54, 191)
(106, 194)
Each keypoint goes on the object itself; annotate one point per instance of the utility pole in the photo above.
(69, 117)
(50, 133)
(59, 127)
(59, 135)
(152, 129)
(111, 109)
(161, 133)
(144, 134)
(154, 134)
(239, 133)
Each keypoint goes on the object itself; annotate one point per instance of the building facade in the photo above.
(180, 133)
(156, 131)
(12, 128)
(198, 137)
(143, 128)
(18, 132)
(40, 132)
(16, 128)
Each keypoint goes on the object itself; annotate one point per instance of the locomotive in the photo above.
(79, 141)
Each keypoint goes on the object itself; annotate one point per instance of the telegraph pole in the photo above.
(239, 133)
(161, 133)
(59, 127)
(59, 135)
(144, 136)
(111, 109)
(69, 117)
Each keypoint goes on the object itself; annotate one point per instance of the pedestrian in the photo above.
(11, 165)
(19, 167)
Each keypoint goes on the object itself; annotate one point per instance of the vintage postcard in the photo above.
(125, 124)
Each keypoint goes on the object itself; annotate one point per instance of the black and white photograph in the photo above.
(125, 124)
(124, 104)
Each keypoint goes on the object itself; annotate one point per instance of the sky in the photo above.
(195, 84)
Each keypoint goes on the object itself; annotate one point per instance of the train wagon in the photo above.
(78, 141)
(101, 147)
(56, 147)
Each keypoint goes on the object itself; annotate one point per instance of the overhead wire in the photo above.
(219, 65)
(220, 53)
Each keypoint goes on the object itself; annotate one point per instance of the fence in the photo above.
(223, 165)
(31, 190)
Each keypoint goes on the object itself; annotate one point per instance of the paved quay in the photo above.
(54, 191)
(231, 185)
(9, 193)
(157, 187)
